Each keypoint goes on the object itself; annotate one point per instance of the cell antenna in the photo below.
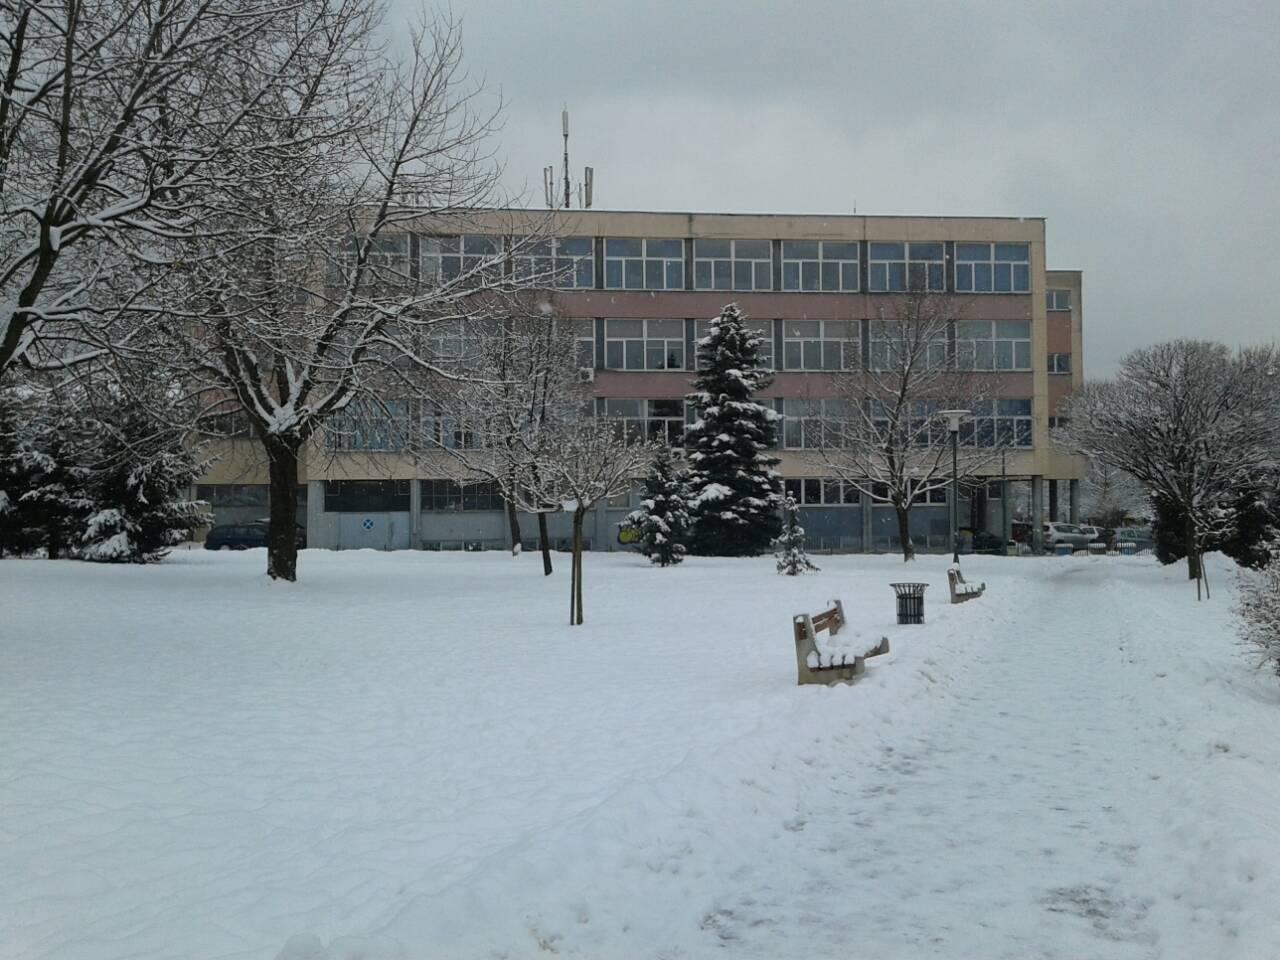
(585, 188)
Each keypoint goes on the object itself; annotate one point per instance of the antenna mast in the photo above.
(585, 188)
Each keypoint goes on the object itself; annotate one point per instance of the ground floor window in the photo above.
(810, 492)
(444, 496)
(366, 496)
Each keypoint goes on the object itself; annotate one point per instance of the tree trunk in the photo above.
(544, 543)
(904, 532)
(575, 603)
(513, 521)
(1193, 555)
(282, 543)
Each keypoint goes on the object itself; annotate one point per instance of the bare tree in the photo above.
(114, 118)
(522, 371)
(883, 433)
(1189, 420)
(310, 301)
(576, 462)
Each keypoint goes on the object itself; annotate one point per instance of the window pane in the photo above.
(653, 274)
(624, 328)
(964, 276)
(621, 247)
(809, 276)
(1014, 329)
(800, 250)
(752, 249)
(982, 277)
(613, 355)
(1021, 277)
(812, 354)
(790, 276)
(675, 355)
(675, 274)
(764, 275)
(635, 354)
(791, 354)
(702, 275)
(1012, 251)
(802, 328)
(666, 328)
(635, 274)
(711, 248)
(926, 251)
(1003, 278)
(839, 251)
(813, 491)
(665, 248)
(1004, 355)
(973, 251)
(887, 251)
(849, 276)
(656, 355)
(613, 274)
(723, 274)
(1022, 355)
(792, 488)
(898, 276)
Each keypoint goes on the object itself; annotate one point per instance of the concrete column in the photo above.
(1006, 517)
(1037, 514)
(1053, 500)
(865, 507)
(1073, 498)
(315, 514)
(415, 514)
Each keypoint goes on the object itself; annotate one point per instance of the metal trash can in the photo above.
(910, 601)
(1063, 549)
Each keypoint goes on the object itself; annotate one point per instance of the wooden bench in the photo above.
(960, 589)
(830, 622)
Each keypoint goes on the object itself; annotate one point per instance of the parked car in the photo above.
(1100, 535)
(1056, 533)
(1140, 537)
(236, 536)
(299, 532)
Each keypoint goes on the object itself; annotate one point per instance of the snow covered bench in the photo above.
(842, 661)
(960, 590)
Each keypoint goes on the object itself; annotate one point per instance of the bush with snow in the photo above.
(789, 547)
(662, 522)
(1259, 608)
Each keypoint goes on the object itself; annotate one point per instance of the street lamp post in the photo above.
(953, 425)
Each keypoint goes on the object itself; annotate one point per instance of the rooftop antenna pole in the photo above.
(564, 122)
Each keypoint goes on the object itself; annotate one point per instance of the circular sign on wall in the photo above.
(368, 524)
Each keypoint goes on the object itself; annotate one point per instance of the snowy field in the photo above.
(412, 756)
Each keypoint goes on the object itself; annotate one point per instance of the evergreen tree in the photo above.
(139, 488)
(789, 547)
(663, 521)
(736, 491)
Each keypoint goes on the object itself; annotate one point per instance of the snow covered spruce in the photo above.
(736, 490)
(94, 477)
(789, 547)
(661, 524)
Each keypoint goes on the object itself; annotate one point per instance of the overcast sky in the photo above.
(1148, 135)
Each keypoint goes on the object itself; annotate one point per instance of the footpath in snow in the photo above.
(412, 756)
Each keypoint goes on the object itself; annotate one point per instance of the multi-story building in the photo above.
(640, 288)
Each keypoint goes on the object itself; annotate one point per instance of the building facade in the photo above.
(640, 289)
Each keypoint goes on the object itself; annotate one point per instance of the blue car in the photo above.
(236, 536)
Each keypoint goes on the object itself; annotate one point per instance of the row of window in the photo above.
(806, 425)
(450, 496)
(392, 496)
(810, 492)
(815, 345)
(814, 424)
(646, 263)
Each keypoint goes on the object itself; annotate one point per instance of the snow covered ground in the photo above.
(412, 756)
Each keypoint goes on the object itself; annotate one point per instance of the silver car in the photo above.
(1056, 533)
